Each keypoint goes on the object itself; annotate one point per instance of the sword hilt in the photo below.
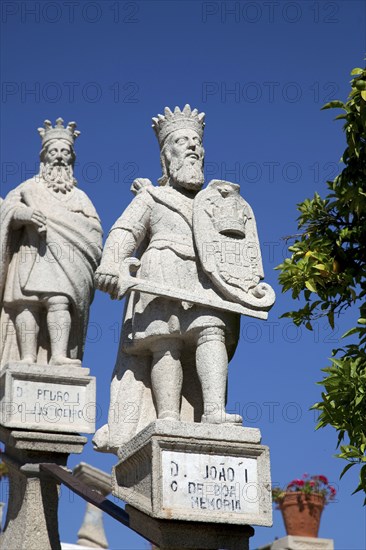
(125, 280)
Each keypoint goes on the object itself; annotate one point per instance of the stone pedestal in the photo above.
(42, 411)
(31, 521)
(188, 535)
(91, 534)
(195, 484)
(46, 398)
(300, 543)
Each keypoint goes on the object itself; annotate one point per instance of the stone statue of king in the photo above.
(51, 243)
(197, 266)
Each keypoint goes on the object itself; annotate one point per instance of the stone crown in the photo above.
(58, 131)
(230, 218)
(164, 125)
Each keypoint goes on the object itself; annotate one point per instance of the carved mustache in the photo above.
(192, 154)
(59, 162)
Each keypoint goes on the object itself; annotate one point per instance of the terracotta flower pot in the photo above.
(301, 513)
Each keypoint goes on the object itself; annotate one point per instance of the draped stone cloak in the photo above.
(60, 261)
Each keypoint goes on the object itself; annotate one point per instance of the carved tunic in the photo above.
(163, 216)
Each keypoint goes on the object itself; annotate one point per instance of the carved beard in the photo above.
(186, 173)
(58, 178)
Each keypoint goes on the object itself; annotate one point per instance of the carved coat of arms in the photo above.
(228, 247)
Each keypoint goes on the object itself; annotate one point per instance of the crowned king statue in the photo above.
(51, 243)
(189, 261)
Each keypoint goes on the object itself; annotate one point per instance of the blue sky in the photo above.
(261, 71)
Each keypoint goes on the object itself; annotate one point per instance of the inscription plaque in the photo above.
(193, 481)
(36, 398)
(194, 472)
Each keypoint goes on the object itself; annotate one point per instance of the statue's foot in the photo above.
(58, 360)
(28, 359)
(169, 415)
(101, 441)
(222, 417)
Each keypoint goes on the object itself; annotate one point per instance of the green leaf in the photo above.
(358, 489)
(357, 70)
(353, 330)
(334, 105)
(346, 468)
(331, 318)
(310, 286)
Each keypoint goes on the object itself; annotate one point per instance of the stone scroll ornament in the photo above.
(188, 259)
(51, 243)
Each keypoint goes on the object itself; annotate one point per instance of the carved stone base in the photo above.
(179, 535)
(47, 398)
(91, 534)
(197, 473)
(300, 543)
(31, 521)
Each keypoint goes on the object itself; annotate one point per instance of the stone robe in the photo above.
(60, 261)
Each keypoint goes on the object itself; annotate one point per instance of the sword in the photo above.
(127, 283)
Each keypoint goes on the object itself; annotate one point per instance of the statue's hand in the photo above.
(139, 184)
(106, 282)
(30, 216)
(117, 285)
(126, 282)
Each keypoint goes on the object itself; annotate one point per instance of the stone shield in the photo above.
(227, 243)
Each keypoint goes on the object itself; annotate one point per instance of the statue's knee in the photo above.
(57, 303)
(166, 347)
(211, 334)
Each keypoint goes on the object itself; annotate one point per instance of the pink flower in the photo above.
(323, 479)
(308, 485)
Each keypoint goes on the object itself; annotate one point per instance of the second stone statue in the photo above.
(198, 267)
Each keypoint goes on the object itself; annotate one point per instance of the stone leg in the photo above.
(167, 378)
(59, 325)
(212, 369)
(27, 329)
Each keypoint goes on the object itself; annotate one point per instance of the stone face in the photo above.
(187, 477)
(50, 241)
(46, 398)
(197, 262)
